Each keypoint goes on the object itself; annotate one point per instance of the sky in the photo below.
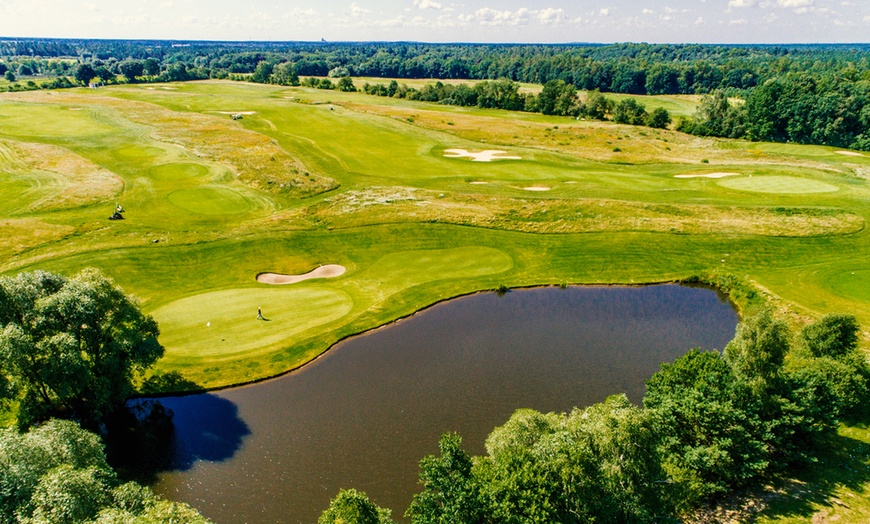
(496, 21)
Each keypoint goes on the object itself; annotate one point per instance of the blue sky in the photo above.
(672, 21)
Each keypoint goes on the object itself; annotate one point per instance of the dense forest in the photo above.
(801, 93)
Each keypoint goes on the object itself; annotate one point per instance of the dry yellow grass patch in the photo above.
(589, 139)
(80, 182)
(379, 205)
(23, 234)
(255, 158)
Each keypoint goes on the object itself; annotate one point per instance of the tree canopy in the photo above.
(71, 346)
(57, 473)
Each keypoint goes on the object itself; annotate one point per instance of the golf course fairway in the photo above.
(309, 178)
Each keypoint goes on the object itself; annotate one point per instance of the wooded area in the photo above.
(810, 94)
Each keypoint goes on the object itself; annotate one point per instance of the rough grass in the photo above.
(58, 177)
(381, 205)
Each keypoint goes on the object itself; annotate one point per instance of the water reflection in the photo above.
(149, 439)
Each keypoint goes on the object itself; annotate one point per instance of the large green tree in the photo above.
(354, 507)
(84, 73)
(71, 346)
(57, 473)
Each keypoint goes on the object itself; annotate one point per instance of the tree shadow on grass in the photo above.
(843, 463)
(173, 434)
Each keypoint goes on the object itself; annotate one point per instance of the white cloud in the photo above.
(522, 16)
(427, 4)
(699, 20)
(356, 10)
(604, 11)
(167, 5)
(739, 21)
(551, 15)
(795, 3)
(742, 3)
(648, 11)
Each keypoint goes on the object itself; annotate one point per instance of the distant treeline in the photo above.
(556, 98)
(800, 93)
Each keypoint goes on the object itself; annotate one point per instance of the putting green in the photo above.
(140, 152)
(225, 324)
(852, 284)
(778, 184)
(177, 171)
(211, 201)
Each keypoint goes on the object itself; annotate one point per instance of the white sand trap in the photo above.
(478, 183)
(707, 175)
(848, 153)
(76, 108)
(483, 156)
(327, 271)
(237, 112)
(536, 188)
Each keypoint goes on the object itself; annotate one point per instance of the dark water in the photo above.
(363, 415)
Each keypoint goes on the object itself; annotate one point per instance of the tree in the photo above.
(449, 491)
(104, 74)
(9, 76)
(71, 346)
(285, 74)
(708, 424)
(354, 507)
(662, 79)
(834, 335)
(659, 118)
(629, 111)
(597, 106)
(346, 84)
(558, 98)
(131, 69)
(758, 350)
(177, 72)
(262, 73)
(84, 73)
(57, 473)
(152, 67)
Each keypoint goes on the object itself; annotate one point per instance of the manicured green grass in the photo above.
(778, 185)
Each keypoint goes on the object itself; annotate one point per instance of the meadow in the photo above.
(308, 178)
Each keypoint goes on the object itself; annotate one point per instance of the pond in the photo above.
(366, 412)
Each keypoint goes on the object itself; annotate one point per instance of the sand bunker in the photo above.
(848, 153)
(478, 183)
(707, 175)
(237, 112)
(483, 156)
(327, 271)
(536, 188)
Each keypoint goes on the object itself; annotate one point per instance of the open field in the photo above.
(309, 178)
